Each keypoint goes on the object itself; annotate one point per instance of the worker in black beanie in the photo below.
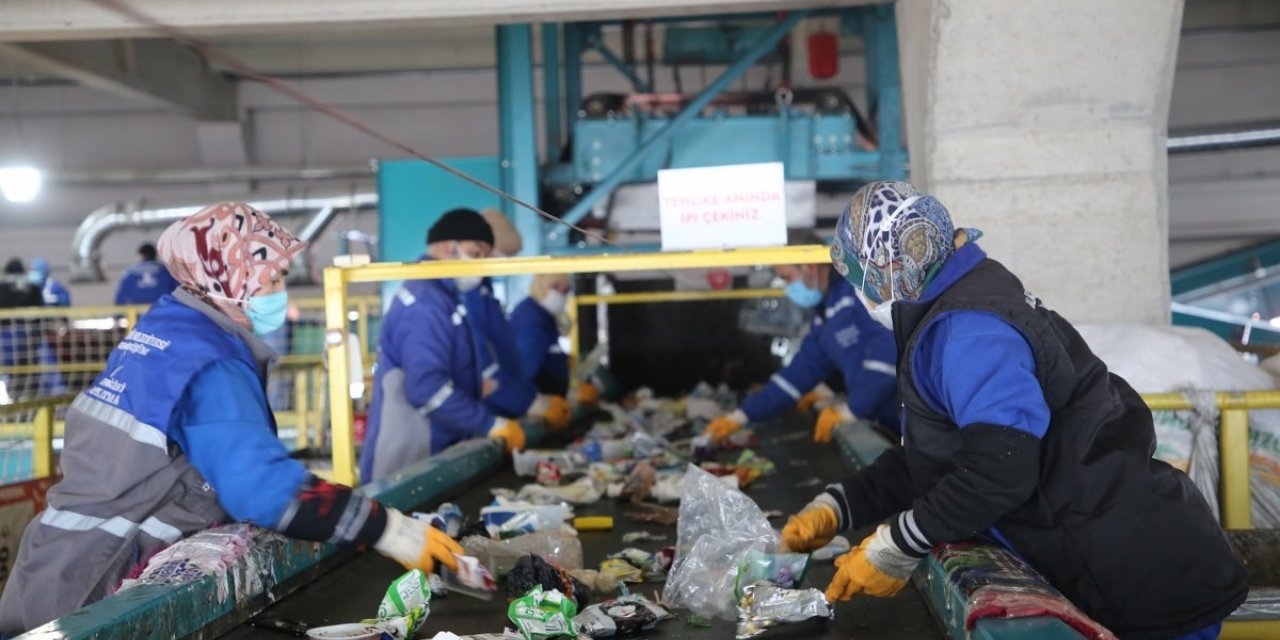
(427, 391)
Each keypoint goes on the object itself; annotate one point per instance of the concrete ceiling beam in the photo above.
(153, 70)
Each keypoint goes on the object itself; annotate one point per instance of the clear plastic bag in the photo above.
(717, 528)
(559, 547)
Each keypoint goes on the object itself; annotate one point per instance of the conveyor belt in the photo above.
(352, 591)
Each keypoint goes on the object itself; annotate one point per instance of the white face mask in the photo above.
(882, 313)
(554, 302)
(465, 283)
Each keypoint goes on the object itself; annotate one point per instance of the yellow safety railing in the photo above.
(1233, 446)
(43, 429)
(337, 279)
(37, 420)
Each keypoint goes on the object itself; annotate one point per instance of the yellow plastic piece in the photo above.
(593, 523)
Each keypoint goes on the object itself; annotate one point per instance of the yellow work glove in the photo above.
(416, 544)
(725, 426)
(805, 405)
(557, 414)
(811, 529)
(588, 393)
(552, 409)
(510, 433)
(829, 419)
(877, 567)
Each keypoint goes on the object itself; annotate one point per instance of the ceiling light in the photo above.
(20, 184)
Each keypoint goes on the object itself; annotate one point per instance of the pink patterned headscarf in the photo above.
(226, 254)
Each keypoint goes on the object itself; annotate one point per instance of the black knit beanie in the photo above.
(459, 225)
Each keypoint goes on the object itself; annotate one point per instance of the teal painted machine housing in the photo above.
(412, 195)
(812, 147)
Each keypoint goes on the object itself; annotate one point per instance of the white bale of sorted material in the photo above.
(1197, 363)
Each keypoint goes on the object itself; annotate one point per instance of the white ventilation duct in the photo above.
(86, 263)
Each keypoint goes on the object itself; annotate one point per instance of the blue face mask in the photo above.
(803, 295)
(267, 312)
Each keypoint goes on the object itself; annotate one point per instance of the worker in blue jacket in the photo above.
(537, 330)
(176, 435)
(146, 280)
(1012, 429)
(508, 392)
(842, 339)
(52, 292)
(429, 388)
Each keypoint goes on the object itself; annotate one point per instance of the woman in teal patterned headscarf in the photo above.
(1013, 430)
(893, 239)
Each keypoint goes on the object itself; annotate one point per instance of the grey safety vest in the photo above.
(127, 491)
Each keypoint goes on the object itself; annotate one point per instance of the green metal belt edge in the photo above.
(861, 445)
(209, 607)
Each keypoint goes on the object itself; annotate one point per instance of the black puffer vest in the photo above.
(1127, 538)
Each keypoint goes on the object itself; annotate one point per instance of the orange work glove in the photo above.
(811, 529)
(557, 414)
(416, 544)
(510, 433)
(725, 426)
(877, 567)
(829, 419)
(588, 393)
(805, 405)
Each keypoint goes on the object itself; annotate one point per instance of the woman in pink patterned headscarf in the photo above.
(176, 435)
(227, 254)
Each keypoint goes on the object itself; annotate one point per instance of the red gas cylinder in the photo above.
(824, 55)
(719, 278)
(359, 422)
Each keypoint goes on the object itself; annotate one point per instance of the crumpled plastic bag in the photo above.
(560, 546)
(718, 526)
(583, 491)
(214, 551)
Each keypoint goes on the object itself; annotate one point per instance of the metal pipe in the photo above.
(551, 91)
(1263, 136)
(637, 84)
(207, 175)
(86, 263)
(764, 45)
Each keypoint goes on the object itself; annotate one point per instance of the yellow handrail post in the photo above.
(362, 330)
(131, 316)
(340, 410)
(1234, 457)
(301, 396)
(575, 335)
(42, 454)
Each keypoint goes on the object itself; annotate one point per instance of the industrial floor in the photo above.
(352, 590)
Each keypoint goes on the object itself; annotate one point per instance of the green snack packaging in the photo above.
(542, 614)
(406, 605)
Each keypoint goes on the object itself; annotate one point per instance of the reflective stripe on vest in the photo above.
(120, 419)
(117, 526)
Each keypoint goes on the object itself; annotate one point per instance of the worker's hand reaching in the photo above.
(553, 409)
(416, 544)
(807, 401)
(557, 414)
(813, 528)
(820, 398)
(725, 426)
(588, 394)
(509, 433)
(831, 417)
(877, 567)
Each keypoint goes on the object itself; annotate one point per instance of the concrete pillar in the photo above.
(1044, 124)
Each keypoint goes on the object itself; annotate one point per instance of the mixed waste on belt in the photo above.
(721, 559)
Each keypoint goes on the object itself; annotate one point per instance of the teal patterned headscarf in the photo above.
(892, 239)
